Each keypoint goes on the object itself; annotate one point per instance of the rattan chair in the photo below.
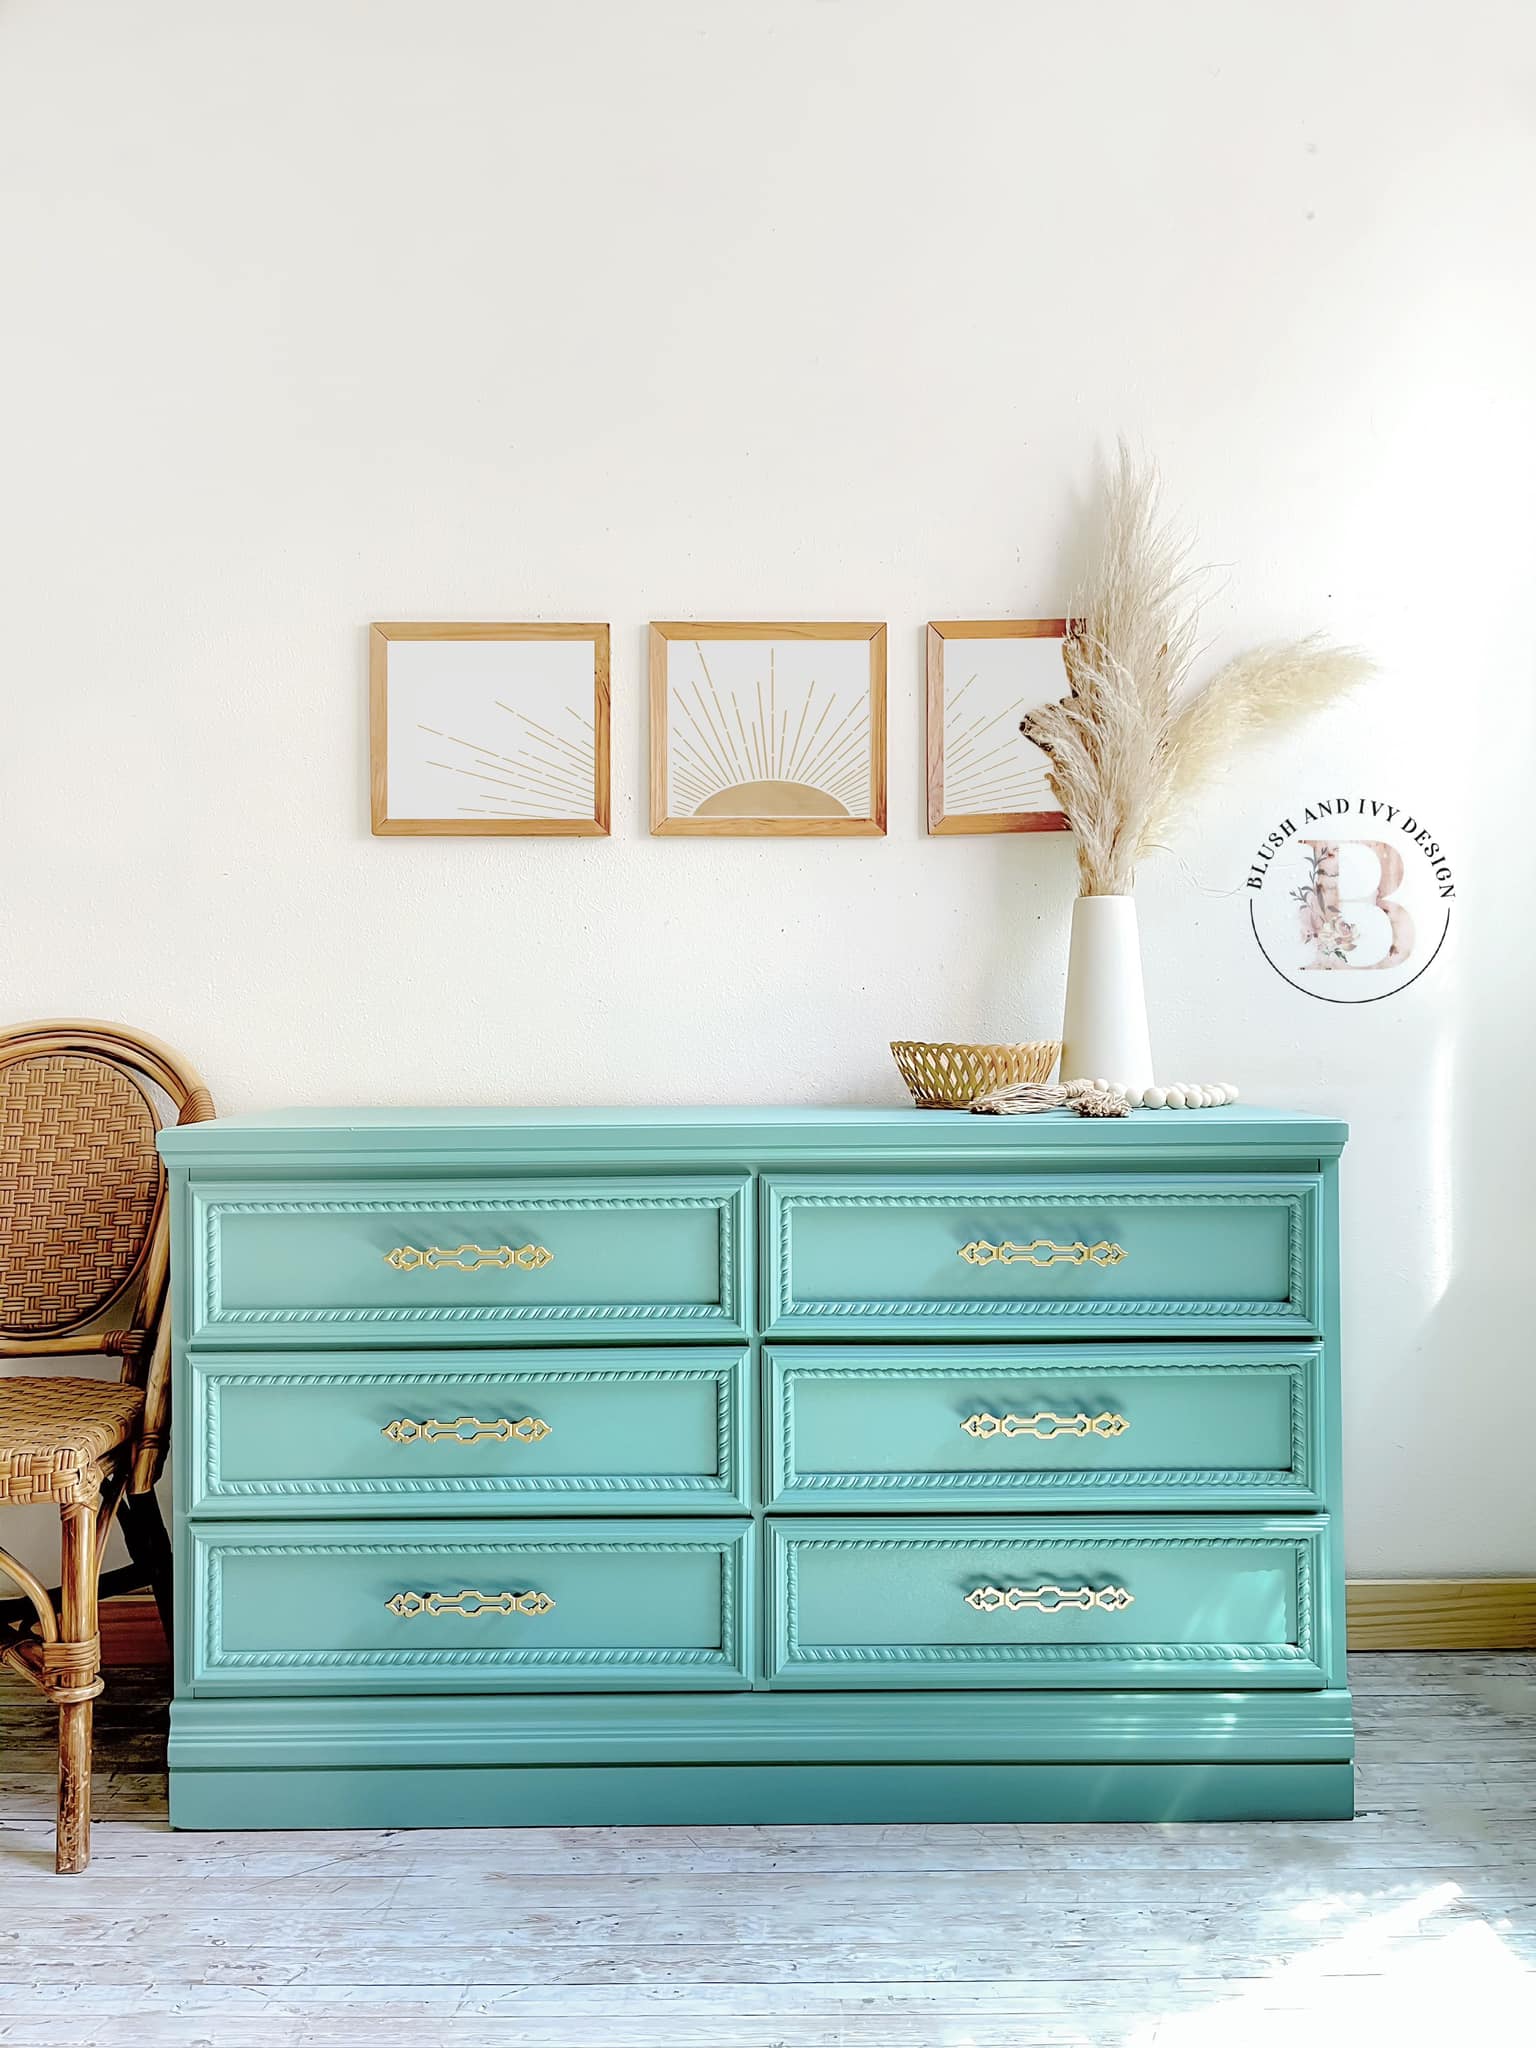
(84, 1259)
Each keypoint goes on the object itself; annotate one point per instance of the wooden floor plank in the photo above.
(1404, 1921)
(267, 1913)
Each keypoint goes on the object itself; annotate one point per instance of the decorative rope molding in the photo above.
(1299, 1206)
(507, 1657)
(514, 1312)
(208, 1384)
(726, 1309)
(1011, 1483)
(1385, 1614)
(1127, 1655)
(1303, 1548)
(1301, 1394)
(709, 1484)
(208, 1567)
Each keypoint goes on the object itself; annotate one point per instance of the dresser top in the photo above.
(545, 1136)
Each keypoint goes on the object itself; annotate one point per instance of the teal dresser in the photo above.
(756, 1465)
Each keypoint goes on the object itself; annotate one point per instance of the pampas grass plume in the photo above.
(1134, 740)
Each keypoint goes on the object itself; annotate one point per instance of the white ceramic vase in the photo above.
(1104, 1033)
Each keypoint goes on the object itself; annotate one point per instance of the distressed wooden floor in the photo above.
(1415, 1924)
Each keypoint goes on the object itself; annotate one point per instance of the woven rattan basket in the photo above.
(952, 1076)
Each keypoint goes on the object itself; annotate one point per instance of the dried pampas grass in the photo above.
(1133, 742)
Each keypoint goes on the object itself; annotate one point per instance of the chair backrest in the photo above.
(82, 1191)
(79, 1188)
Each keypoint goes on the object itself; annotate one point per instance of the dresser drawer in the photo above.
(410, 1607)
(1044, 1426)
(1133, 1255)
(1110, 1601)
(409, 1263)
(649, 1430)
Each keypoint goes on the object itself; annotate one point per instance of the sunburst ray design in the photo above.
(802, 754)
(551, 771)
(988, 763)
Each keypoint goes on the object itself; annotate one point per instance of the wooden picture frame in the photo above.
(514, 773)
(983, 775)
(768, 730)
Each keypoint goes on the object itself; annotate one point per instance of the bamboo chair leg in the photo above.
(143, 1527)
(73, 1664)
(75, 1734)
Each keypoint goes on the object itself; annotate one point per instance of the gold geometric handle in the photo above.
(466, 1258)
(1043, 1426)
(1049, 1599)
(408, 1605)
(468, 1429)
(979, 1253)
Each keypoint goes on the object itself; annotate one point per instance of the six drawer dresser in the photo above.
(756, 1465)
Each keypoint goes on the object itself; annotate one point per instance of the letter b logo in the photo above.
(1350, 920)
(1348, 916)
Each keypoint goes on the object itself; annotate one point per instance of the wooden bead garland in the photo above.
(1101, 1098)
(1172, 1095)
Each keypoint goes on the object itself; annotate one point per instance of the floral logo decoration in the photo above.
(1350, 898)
(1324, 926)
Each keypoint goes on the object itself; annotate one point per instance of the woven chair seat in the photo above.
(54, 1434)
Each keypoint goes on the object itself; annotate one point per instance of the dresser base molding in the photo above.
(300, 1737)
(756, 1795)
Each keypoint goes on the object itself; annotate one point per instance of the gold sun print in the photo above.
(800, 751)
(550, 774)
(988, 763)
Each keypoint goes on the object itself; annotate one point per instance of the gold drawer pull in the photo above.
(468, 1429)
(1049, 1599)
(1043, 1426)
(408, 1605)
(979, 1253)
(465, 1258)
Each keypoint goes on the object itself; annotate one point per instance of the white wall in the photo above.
(320, 311)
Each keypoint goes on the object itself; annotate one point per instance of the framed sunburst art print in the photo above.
(768, 729)
(489, 729)
(983, 675)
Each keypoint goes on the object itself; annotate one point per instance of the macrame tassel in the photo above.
(1023, 1098)
(1099, 1102)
